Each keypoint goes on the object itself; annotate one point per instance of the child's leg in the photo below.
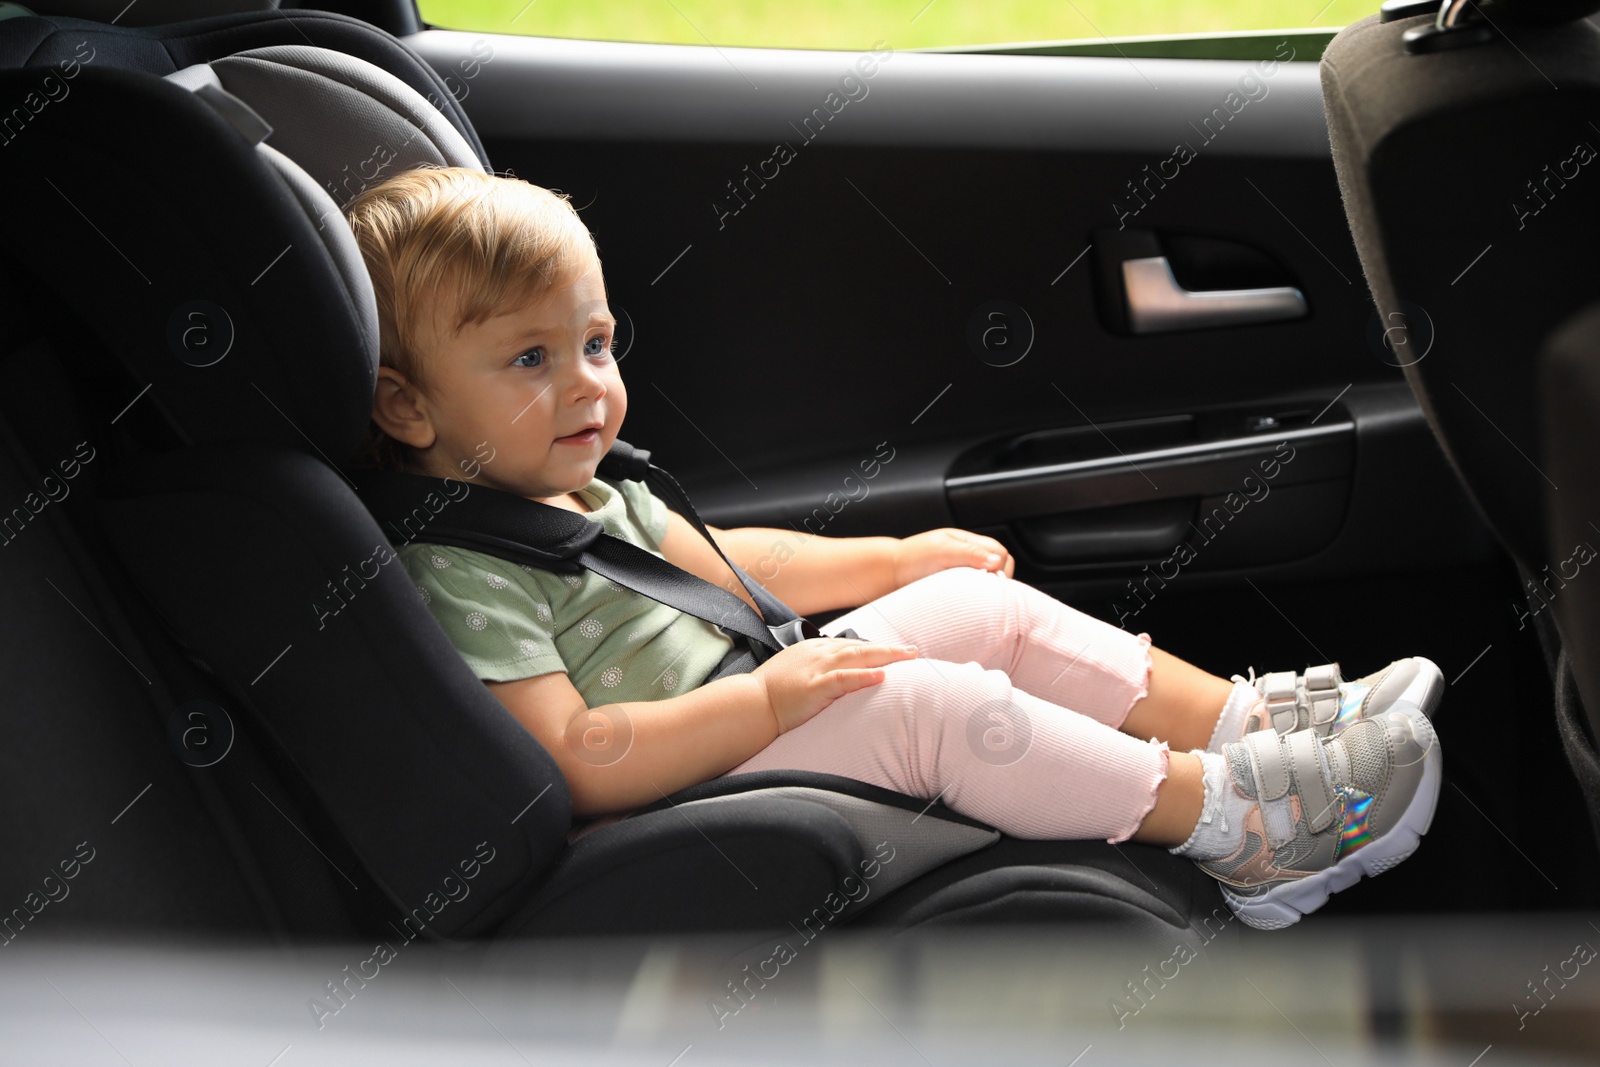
(1281, 820)
(1182, 704)
(1050, 650)
(968, 737)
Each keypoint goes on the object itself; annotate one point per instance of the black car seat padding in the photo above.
(269, 568)
(94, 687)
(198, 235)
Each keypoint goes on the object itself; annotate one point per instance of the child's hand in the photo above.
(926, 553)
(806, 677)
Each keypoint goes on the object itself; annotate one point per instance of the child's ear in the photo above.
(400, 411)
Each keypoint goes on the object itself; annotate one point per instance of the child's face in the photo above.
(536, 389)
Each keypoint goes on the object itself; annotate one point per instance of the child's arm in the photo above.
(622, 756)
(810, 572)
(814, 573)
(665, 745)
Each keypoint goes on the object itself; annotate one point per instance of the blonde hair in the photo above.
(438, 240)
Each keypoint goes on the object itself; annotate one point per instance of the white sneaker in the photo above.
(1319, 812)
(1321, 701)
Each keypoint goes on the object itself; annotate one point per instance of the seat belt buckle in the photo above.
(794, 631)
(801, 629)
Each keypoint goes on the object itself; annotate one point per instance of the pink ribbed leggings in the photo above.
(1008, 715)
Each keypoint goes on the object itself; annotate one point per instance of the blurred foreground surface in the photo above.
(1479, 992)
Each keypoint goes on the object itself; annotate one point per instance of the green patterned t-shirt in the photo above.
(510, 620)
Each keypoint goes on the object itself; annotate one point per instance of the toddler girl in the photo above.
(967, 687)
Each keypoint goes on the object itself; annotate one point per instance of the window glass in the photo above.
(902, 24)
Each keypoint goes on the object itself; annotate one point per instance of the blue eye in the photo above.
(598, 345)
(530, 352)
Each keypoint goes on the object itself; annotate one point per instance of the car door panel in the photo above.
(933, 273)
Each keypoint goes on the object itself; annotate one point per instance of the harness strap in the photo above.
(451, 512)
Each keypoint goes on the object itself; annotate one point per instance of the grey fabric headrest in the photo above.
(346, 122)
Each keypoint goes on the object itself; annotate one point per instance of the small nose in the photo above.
(586, 378)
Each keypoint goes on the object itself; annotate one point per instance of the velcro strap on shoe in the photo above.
(1322, 693)
(1278, 688)
(1268, 762)
(1316, 800)
(1279, 821)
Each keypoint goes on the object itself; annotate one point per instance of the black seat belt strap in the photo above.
(625, 461)
(550, 538)
(512, 527)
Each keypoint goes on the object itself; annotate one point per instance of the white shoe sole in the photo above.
(1288, 903)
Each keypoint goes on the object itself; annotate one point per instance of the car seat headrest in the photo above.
(344, 121)
(251, 317)
(329, 125)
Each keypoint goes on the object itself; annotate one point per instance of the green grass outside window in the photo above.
(853, 25)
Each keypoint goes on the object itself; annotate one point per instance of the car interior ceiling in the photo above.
(155, 582)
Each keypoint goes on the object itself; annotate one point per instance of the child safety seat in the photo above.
(183, 216)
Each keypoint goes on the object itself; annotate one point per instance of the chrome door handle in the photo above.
(1158, 304)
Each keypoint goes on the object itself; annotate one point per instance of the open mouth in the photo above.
(582, 437)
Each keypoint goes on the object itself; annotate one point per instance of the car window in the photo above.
(902, 24)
